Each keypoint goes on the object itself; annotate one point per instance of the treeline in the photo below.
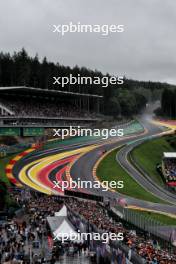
(168, 103)
(20, 69)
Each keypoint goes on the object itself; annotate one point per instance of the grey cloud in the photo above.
(145, 51)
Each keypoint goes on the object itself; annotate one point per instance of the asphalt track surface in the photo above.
(83, 169)
(40, 169)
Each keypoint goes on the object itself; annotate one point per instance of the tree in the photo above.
(113, 107)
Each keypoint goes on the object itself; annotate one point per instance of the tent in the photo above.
(67, 232)
(62, 212)
(54, 222)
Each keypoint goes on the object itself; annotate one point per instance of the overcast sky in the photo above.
(145, 51)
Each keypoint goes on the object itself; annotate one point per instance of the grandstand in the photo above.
(169, 168)
(23, 106)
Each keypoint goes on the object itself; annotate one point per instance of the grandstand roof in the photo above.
(39, 91)
(170, 155)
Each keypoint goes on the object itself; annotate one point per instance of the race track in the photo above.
(41, 169)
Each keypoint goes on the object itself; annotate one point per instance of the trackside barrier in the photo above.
(75, 218)
(147, 225)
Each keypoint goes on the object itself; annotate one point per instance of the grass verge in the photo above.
(110, 170)
(149, 154)
(3, 164)
(163, 219)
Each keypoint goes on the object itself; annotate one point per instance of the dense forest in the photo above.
(20, 69)
(168, 103)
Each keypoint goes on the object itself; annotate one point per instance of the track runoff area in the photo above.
(49, 170)
(71, 166)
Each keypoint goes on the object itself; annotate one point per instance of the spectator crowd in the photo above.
(31, 107)
(19, 234)
(170, 170)
(143, 245)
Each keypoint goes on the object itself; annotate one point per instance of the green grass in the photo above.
(3, 164)
(110, 170)
(133, 127)
(163, 219)
(149, 154)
